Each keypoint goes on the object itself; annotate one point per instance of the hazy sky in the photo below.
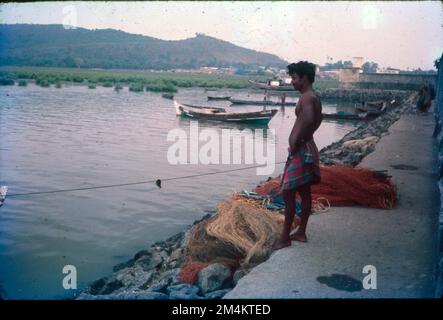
(397, 34)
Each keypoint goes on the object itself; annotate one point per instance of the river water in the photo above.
(78, 137)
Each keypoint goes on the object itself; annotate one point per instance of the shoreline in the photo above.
(153, 273)
(326, 90)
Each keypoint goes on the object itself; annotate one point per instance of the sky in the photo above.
(397, 34)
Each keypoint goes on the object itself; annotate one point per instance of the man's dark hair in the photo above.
(303, 68)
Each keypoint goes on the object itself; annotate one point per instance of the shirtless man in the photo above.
(302, 167)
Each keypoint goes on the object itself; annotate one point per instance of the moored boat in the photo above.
(347, 116)
(219, 97)
(168, 96)
(277, 87)
(208, 109)
(261, 103)
(373, 107)
(220, 114)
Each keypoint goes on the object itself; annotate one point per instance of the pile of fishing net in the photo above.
(240, 234)
(346, 186)
(243, 230)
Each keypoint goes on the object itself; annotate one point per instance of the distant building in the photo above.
(354, 77)
(330, 74)
(388, 70)
(226, 71)
(209, 70)
(348, 76)
(357, 62)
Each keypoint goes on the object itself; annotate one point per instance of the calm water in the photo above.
(77, 137)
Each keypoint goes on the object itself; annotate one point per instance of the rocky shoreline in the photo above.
(361, 95)
(355, 95)
(153, 273)
(355, 145)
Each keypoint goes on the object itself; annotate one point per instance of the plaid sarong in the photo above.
(302, 167)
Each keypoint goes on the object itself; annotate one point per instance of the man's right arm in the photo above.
(303, 123)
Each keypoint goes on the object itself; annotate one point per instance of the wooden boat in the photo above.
(265, 86)
(347, 116)
(219, 97)
(261, 103)
(208, 109)
(168, 96)
(373, 107)
(220, 114)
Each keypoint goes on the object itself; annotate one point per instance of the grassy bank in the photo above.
(136, 80)
(151, 81)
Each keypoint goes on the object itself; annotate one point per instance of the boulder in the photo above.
(240, 273)
(174, 274)
(213, 277)
(123, 265)
(136, 276)
(175, 255)
(160, 286)
(110, 286)
(216, 294)
(151, 295)
(127, 295)
(141, 253)
(97, 286)
(183, 292)
(152, 260)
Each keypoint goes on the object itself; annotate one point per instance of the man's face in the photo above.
(296, 81)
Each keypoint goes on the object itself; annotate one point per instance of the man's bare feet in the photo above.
(280, 244)
(299, 237)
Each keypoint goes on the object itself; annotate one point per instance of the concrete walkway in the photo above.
(400, 243)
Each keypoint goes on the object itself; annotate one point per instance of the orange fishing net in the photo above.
(188, 273)
(346, 186)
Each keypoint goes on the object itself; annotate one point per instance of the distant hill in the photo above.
(54, 46)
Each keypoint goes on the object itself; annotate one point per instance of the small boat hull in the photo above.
(373, 107)
(347, 116)
(219, 114)
(179, 108)
(168, 96)
(265, 86)
(261, 103)
(219, 98)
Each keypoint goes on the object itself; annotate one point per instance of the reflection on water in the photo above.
(77, 137)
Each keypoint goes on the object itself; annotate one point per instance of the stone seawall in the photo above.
(362, 95)
(357, 95)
